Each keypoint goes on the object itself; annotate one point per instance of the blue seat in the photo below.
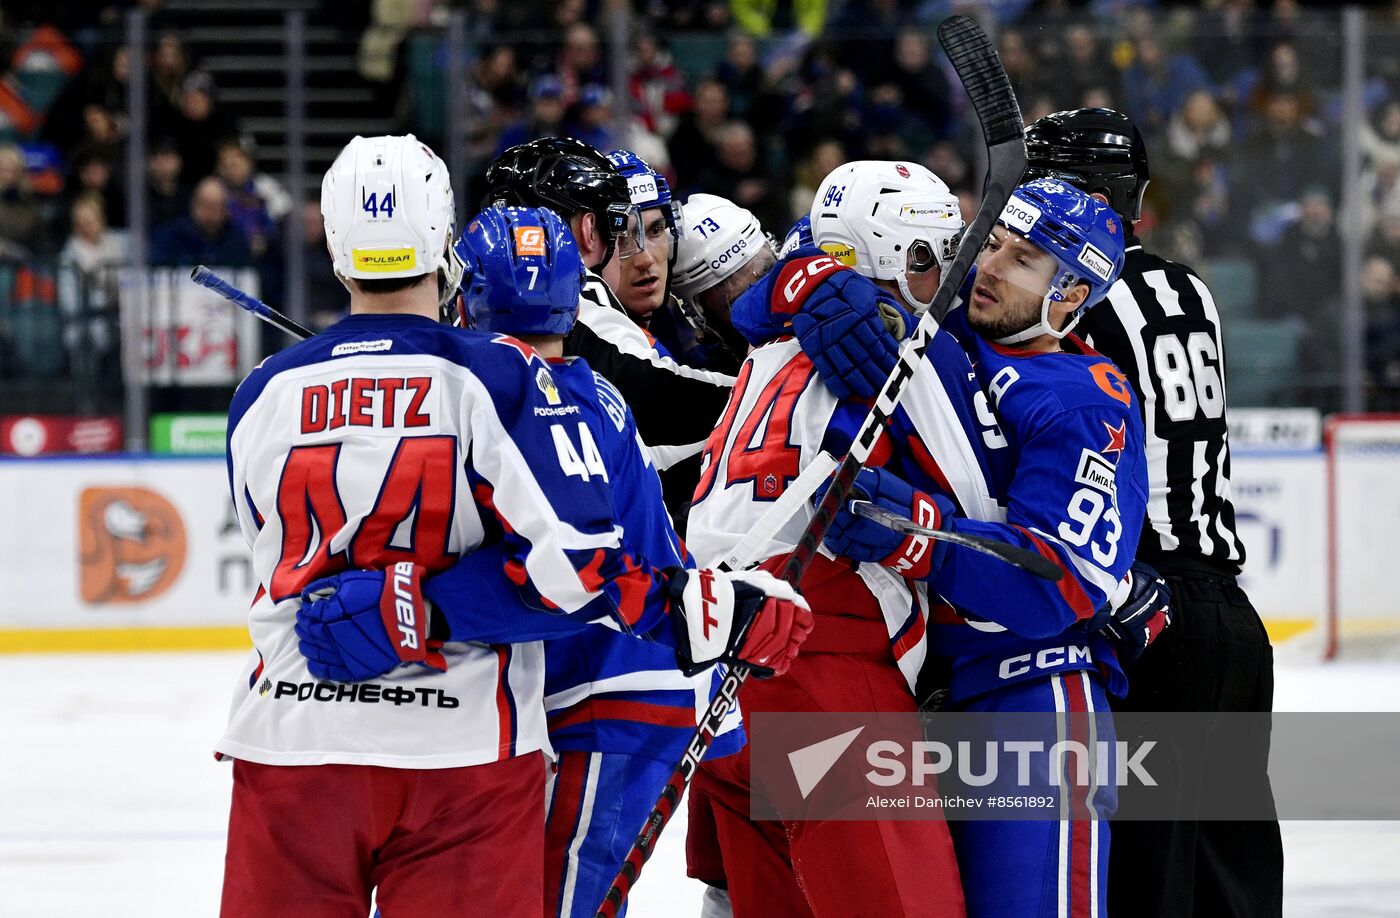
(1234, 282)
(1262, 360)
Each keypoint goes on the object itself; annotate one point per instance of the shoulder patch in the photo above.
(1112, 381)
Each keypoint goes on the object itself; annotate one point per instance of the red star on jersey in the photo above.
(1117, 439)
(520, 347)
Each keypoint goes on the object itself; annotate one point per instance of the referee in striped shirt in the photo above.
(1161, 327)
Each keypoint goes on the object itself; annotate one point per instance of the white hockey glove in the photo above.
(746, 617)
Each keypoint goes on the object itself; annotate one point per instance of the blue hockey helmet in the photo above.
(648, 189)
(523, 272)
(1084, 236)
(799, 236)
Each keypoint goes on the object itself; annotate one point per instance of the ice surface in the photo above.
(111, 803)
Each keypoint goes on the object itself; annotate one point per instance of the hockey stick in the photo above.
(1029, 561)
(980, 71)
(206, 278)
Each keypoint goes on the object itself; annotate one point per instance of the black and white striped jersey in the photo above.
(676, 406)
(1160, 325)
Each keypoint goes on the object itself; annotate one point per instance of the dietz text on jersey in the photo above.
(363, 401)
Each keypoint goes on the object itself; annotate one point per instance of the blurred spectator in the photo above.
(21, 221)
(1086, 65)
(1229, 37)
(945, 162)
(94, 172)
(807, 178)
(737, 174)
(200, 125)
(256, 201)
(743, 77)
(546, 116)
(863, 33)
(1198, 128)
(592, 118)
(656, 84)
(167, 197)
(207, 236)
(1282, 77)
(1027, 77)
(922, 84)
(169, 67)
(1385, 238)
(1308, 262)
(682, 15)
(326, 298)
(1380, 189)
(580, 60)
(694, 143)
(768, 17)
(1380, 135)
(829, 103)
(1279, 159)
(1156, 84)
(1382, 305)
(87, 283)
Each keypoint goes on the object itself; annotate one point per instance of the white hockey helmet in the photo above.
(389, 212)
(870, 214)
(720, 237)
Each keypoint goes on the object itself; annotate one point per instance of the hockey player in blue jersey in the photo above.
(1073, 481)
(619, 710)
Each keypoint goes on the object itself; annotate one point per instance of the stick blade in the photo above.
(979, 67)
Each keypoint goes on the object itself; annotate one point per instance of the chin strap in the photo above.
(1056, 294)
(919, 307)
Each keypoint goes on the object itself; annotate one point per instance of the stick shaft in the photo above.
(206, 278)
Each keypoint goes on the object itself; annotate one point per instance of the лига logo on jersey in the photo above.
(131, 545)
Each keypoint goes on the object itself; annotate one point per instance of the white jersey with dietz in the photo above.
(386, 439)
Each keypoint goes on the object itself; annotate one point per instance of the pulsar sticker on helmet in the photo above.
(842, 252)
(384, 261)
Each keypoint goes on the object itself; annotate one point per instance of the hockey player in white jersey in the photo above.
(867, 643)
(392, 441)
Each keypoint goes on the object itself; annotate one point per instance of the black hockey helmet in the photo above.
(568, 176)
(1094, 149)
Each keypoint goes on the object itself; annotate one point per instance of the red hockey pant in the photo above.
(824, 869)
(312, 841)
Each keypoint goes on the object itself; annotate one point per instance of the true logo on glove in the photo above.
(708, 600)
(403, 604)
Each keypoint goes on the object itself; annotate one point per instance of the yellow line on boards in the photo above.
(123, 640)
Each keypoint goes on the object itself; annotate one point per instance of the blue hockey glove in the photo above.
(1139, 617)
(851, 330)
(362, 624)
(860, 539)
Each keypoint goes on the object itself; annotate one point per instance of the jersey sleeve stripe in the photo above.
(1071, 589)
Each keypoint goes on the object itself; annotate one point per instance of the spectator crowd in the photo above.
(1240, 102)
